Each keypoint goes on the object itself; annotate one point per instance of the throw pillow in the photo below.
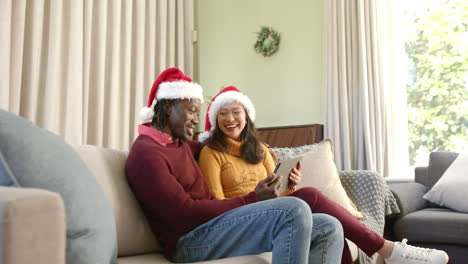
(39, 159)
(6, 178)
(289, 153)
(451, 189)
(319, 171)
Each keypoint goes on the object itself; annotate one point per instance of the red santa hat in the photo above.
(171, 84)
(226, 96)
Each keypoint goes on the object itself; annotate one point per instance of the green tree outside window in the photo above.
(438, 87)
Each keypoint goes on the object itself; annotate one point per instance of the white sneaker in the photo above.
(406, 254)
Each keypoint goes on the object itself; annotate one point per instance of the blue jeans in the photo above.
(283, 225)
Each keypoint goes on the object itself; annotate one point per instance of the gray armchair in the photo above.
(426, 224)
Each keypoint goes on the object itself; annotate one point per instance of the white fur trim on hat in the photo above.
(147, 113)
(203, 136)
(180, 90)
(230, 97)
(173, 90)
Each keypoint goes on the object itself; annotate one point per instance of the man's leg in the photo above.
(282, 225)
(327, 240)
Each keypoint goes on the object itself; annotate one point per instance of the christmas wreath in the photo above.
(267, 41)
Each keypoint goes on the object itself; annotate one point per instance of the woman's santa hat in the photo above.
(226, 96)
(171, 84)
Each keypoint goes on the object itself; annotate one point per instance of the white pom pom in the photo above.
(202, 137)
(146, 113)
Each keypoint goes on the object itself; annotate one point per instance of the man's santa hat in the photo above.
(171, 84)
(226, 96)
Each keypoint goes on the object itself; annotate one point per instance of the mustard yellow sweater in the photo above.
(228, 175)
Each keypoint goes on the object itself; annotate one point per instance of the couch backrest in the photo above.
(439, 162)
(133, 232)
(291, 136)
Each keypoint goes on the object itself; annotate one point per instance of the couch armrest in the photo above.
(367, 189)
(409, 196)
(32, 227)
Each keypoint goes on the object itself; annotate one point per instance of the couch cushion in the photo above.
(451, 189)
(6, 178)
(319, 171)
(288, 153)
(438, 163)
(133, 232)
(264, 258)
(433, 225)
(39, 159)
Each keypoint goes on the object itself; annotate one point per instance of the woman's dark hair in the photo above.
(161, 117)
(251, 150)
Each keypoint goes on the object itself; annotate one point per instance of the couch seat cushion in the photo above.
(433, 225)
(264, 258)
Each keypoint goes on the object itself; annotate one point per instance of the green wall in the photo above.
(285, 88)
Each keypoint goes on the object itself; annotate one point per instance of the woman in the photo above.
(234, 161)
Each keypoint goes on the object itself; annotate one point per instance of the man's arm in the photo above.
(162, 195)
(196, 147)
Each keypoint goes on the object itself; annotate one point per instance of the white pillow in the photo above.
(451, 190)
(319, 171)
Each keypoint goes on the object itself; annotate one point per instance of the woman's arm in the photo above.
(210, 166)
(268, 162)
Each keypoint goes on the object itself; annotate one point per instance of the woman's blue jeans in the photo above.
(283, 225)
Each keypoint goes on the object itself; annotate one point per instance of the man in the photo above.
(188, 221)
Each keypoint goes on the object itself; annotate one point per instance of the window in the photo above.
(436, 45)
(428, 58)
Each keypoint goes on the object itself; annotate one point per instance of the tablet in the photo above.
(283, 168)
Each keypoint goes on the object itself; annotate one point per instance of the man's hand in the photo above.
(268, 188)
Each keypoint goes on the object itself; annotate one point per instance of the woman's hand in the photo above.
(295, 177)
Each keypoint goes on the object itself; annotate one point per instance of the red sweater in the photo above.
(170, 187)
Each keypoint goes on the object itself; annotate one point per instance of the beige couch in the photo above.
(34, 229)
